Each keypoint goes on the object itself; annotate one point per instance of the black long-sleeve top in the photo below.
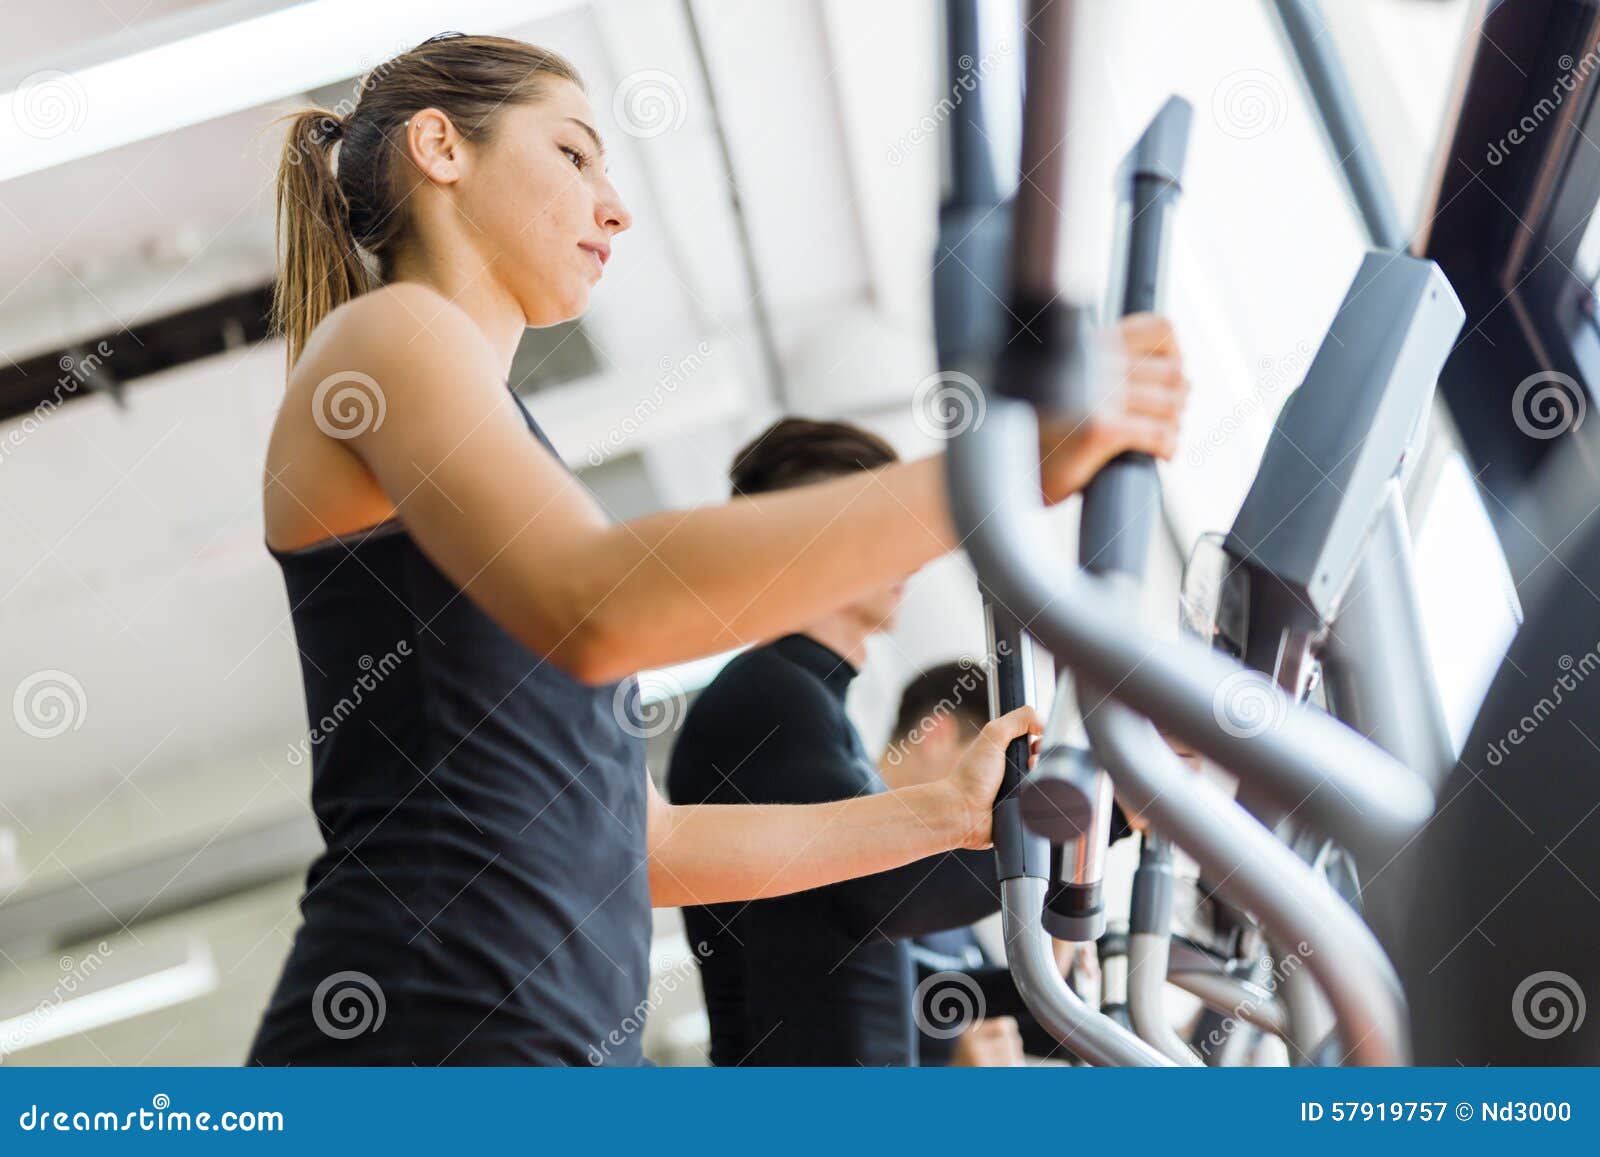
(822, 977)
(988, 989)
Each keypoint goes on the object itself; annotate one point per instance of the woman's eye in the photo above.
(578, 158)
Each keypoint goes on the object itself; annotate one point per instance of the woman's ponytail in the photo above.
(319, 265)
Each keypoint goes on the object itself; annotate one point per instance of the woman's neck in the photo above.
(466, 281)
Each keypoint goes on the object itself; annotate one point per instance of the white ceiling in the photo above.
(47, 30)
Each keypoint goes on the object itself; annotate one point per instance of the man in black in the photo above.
(823, 977)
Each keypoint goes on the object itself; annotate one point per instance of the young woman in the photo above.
(493, 841)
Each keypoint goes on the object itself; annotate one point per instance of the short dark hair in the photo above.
(797, 451)
(960, 689)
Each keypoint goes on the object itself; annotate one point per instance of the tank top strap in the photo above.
(538, 431)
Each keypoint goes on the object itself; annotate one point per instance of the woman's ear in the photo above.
(434, 145)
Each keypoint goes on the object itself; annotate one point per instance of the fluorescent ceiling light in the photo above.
(11, 873)
(53, 1017)
(213, 60)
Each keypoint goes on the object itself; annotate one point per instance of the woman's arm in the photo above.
(509, 526)
(713, 853)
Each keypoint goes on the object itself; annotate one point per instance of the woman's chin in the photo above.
(555, 311)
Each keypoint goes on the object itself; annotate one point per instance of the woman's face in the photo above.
(545, 208)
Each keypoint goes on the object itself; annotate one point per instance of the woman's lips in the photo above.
(601, 256)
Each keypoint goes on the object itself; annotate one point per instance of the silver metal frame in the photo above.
(1376, 672)
(1088, 1032)
(1376, 805)
(1241, 999)
(1147, 990)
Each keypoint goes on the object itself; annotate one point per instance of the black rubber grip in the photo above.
(1018, 852)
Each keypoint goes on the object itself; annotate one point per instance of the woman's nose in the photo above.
(611, 213)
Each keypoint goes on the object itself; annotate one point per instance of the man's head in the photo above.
(942, 711)
(797, 452)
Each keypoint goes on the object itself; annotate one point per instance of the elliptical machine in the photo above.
(1050, 826)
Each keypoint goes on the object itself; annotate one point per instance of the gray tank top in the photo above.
(483, 898)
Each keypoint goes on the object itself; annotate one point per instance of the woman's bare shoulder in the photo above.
(399, 333)
(395, 365)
